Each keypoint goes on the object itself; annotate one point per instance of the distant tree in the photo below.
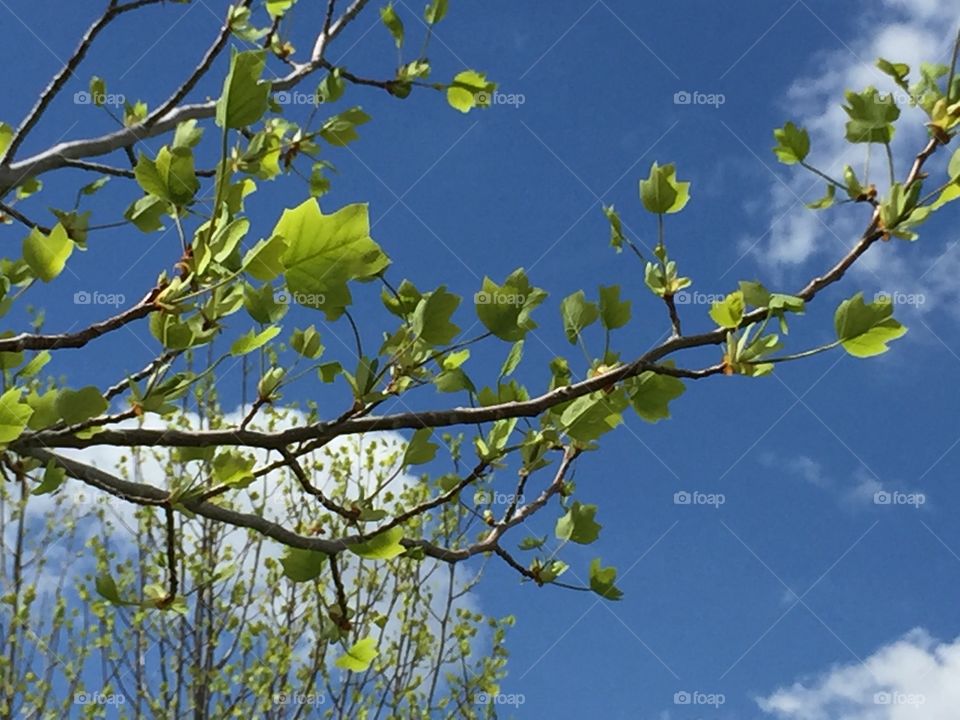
(189, 612)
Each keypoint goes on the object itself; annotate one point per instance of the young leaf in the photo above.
(602, 581)
(47, 254)
(793, 144)
(661, 192)
(578, 525)
(389, 17)
(864, 330)
(245, 98)
(577, 314)
(384, 546)
(302, 565)
(359, 657)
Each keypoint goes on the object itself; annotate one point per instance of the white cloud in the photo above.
(914, 678)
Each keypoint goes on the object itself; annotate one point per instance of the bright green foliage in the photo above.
(435, 11)
(614, 312)
(47, 254)
(76, 406)
(383, 546)
(253, 341)
(793, 144)
(14, 414)
(470, 89)
(325, 252)
(616, 228)
(577, 314)
(826, 201)
(505, 310)
(420, 450)
(578, 524)
(661, 192)
(651, 394)
(602, 581)
(871, 116)
(245, 97)
(359, 657)
(390, 19)
(865, 329)
(728, 312)
(302, 565)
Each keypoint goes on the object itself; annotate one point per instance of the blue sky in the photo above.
(799, 576)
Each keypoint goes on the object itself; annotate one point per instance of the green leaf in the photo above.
(826, 201)
(871, 116)
(470, 89)
(577, 314)
(431, 318)
(53, 477)
(383, 546)
(341, 130)
(332, 87)
(306, 342)
(602, 581)
(864, 330)
(793, 144)
(233, 468)
(277, 8)
(898, 71)
(661, 192)
(728, 312)
(264, 260)
(614, 313)
(617, 237)
(389, 17)
(6, 135)
(505, 309)
(302, 565)
(47, 254)
(435, 11)
(171, 176)
(420, 450)
(14, 414)
(359, 657)
(325, 252)
(651, 394)
(590, 416)
(513, 359)
(76, 406)
(253, 340)
(578, 525)
(245, 98)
